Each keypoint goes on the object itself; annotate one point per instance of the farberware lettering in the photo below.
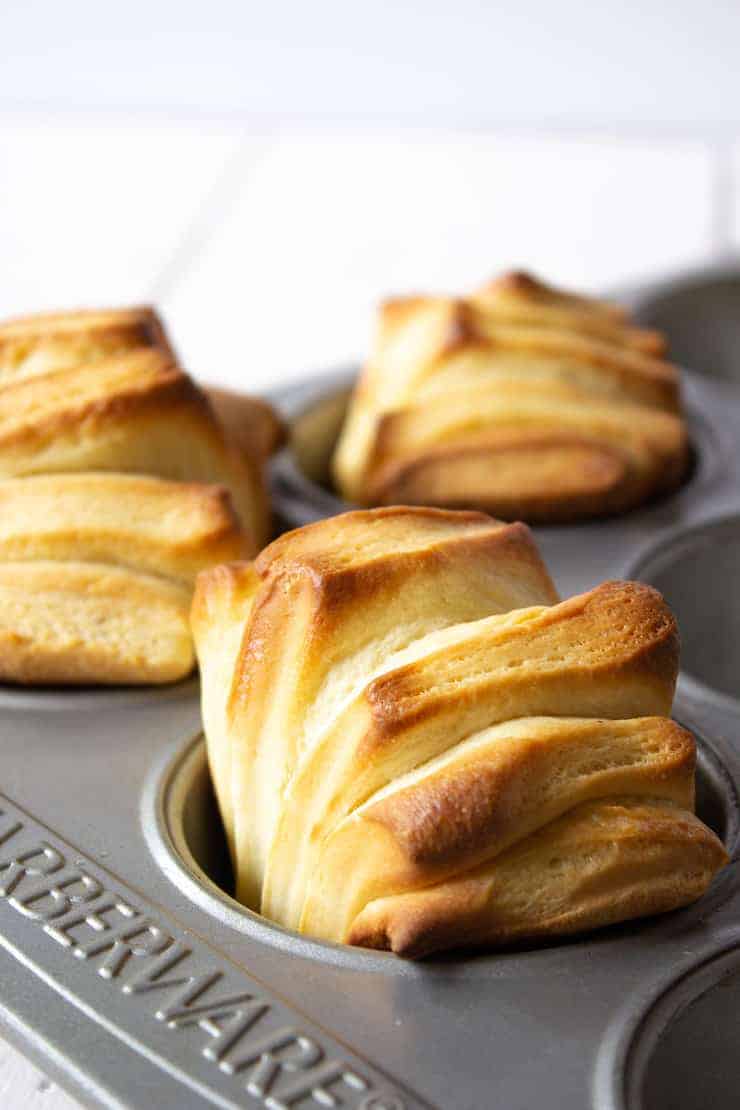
(276, 1063)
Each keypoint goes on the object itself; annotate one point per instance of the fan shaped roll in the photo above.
(397, 706)
(519, 400)
(335, 598)
(97, 572)
(119, 478)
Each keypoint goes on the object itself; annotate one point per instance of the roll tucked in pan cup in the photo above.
(416, 746)
(520, 400)
(118, 483)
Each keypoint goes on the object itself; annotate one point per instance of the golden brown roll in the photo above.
(519, 298)
(398, 709)
(118, 483)
(97, 573)
(519, 400)
(343, 601)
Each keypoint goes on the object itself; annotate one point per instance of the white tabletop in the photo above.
(24, 1087)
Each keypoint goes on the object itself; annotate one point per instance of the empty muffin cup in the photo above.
(698, 572)
(684, 1053)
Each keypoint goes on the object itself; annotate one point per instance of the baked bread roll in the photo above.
(414, 745)
(97, 574)
(519, 400)
(136, 413)
(345, 601)
(118, 484)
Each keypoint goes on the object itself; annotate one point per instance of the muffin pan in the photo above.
(132, 976)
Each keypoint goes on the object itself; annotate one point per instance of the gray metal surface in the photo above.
(129, 973)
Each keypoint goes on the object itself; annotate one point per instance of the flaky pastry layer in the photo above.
(76, 623)
(47, 342)
(135, 413)
(170, 529)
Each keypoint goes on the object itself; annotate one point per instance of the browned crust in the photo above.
(36, 346)
(504, 298)
(337, 595)
(663, 859)
(139, 323)
(44, 517)
(152, 382)
(133, 392)
(487, 793)
(524, 286)
(303, 560)
(595, 479)
(648, 642)
(612, 653)
(342, 588)
(611, 321)
(459, 814)
(658, 380)
(467, 803)
(322, 540)
(601, 464)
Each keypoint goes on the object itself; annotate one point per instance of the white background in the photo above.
(265, 171)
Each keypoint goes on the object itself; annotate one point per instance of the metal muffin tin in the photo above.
(129, 973)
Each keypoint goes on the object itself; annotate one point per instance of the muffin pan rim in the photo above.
(21, 699)
(168, 845)
(672, 547)
(633, 1036)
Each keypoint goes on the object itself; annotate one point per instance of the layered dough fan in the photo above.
(415, 746)
(521, 400)
(119, 481)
